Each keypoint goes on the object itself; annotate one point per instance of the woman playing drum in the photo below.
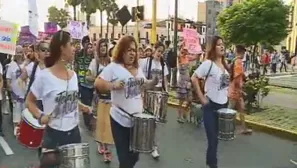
(124, 79)
(155, 66)
(57, 87)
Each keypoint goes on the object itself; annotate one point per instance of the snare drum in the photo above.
(143, 133)
(156, 103)
(226, 124)
(75, 156)
(30, 131)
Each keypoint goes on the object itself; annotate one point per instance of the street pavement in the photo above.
(181, 146)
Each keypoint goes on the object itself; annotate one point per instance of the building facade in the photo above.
(213, 8)
(291, 40)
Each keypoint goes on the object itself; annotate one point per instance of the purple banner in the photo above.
(50, 27)
(25, 30)
(25, 38)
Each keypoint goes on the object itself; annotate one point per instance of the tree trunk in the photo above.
(254, 58)
(107, 27)
(74, 13)
(112, 32)
(88, 17)
(101, 26)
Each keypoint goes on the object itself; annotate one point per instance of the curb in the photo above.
(275, 131)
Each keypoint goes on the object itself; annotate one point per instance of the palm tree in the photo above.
(110, 5)
(101, 6)
(113, 20)
(89, 7)
(73, 3)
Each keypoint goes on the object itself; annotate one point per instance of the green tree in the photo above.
(254, 22)
(73, 3)
(58, 16)
(110, 4)
(89, 7)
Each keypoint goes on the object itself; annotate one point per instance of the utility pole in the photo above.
(154, 23)
(136, 23)
(175, 26)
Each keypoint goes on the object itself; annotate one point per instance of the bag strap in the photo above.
(208, 73)
(150, 61)
(162, 71)
(32, 77)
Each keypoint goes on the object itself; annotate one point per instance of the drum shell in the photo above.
(29, 136)
(143, 134)
(74, 156)
(30, 131)
(156, 102)
(227, 125)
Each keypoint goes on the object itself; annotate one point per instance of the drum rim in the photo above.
(32, 125)
(73, 144)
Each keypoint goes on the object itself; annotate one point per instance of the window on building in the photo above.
(146, 35)
(209, 11)
(100, 35)
(119, 35)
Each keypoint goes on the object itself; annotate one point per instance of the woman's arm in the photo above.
(31, 105)
(89, 76)
(197, 89)
(103, 86)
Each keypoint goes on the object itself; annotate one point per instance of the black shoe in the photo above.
(1, 133)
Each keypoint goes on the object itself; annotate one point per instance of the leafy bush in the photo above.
(255, 89)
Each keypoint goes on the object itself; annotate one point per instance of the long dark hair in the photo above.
(211, 51)
(103, 59)
(156, 46)
(59, 39)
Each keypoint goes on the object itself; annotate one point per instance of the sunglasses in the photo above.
(44, 50)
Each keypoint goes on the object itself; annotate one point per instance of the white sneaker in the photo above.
(155, 154)
(5, 112)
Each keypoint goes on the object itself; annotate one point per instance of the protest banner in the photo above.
(8, 37)
(50, 28)
(191, 40)
(75, 28)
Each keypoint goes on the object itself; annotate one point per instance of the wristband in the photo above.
(40, 117)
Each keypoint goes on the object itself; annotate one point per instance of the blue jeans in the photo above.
(210, 119)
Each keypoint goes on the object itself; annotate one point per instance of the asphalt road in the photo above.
(181, 146)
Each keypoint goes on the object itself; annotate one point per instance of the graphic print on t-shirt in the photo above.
(224, 81)
(66, 103)
(157, 73)
(132, 88)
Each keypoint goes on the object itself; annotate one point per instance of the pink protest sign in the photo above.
(191, 40)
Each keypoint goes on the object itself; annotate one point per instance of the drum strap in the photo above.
(124, 111)
(162, 69)
(32, 77)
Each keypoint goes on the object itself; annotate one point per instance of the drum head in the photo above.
(143, 115)
(74, 145)
(226, 111)
(28, 117)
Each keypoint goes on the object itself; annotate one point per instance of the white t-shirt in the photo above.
(59, 97)
(13, 73)
(129, 98)
(216, 85)
(94, 68)
(29, 69)
(156, 69)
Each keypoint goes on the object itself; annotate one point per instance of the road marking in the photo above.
(5, 146)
